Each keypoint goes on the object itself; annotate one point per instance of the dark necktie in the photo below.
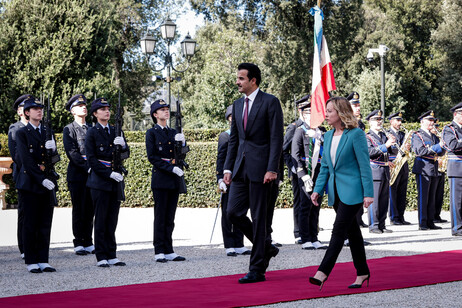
(246, 112)
(106, 129)
(165, 131)
(38, 131)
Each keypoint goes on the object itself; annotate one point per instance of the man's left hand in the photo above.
(269, 176)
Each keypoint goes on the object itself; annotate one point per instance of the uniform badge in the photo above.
(101, 148)
(160, 148)
(31, 150)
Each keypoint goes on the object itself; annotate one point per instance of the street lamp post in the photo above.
(188, 48)
(382, 50)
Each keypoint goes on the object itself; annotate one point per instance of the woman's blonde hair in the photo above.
(344, 111)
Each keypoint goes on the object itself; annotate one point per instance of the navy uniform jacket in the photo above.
(99, 148)
(223, 140)
(300, 150)
(287, 145)
(452, 136)
(378, 154)
(74, 144)
(12, 147)
(30, 147)
(426, 148)
(160, 150)
(399, 140)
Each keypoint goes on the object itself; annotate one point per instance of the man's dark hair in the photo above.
(253, 71)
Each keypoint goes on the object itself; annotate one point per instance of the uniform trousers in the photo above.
(106, 217)
(232, 236)
(296, 204)
(38, 215)
(398, 192)
(308, 216)
(83, 212)
(256, 196)
(165, 203)
(379, 208)
(455, 190)
(345, 225)
(20, 222)
(426, 187)
(439, 198)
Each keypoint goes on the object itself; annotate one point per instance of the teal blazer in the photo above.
(352, 173)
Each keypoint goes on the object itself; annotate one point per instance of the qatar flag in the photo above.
(323, 76)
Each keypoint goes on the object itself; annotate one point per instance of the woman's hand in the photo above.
(314, 198)
(368, 201)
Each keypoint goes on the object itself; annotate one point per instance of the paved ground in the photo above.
(192, 236)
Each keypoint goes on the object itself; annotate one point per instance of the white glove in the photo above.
(180, 137)
(308, 183)
(317, 134)
(89, 170)
(48, 184)
(178, 171)
(116, 176)
(222, 185)
(119, 141)
(293, 170)
(50, 145)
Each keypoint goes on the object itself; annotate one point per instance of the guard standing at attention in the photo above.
(452, 136)
(398, 190)
(19, 107)
(439, 198)
(38, 194)
(427, 147)
(165, 180)
(380, 147)
(355, 104)
(307, 152)
(291, 165)
(74, 136)
(233, 238)
(104, 182)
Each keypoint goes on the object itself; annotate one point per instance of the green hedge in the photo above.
(200, 178)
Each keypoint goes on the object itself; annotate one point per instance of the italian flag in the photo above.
(323, 76)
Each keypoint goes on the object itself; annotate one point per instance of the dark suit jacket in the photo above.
(74, 144)
(261, 142)
(12, 147)
(160, 145)
(223, 140)
(287, 145)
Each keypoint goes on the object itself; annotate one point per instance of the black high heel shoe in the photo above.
(317, 282)
(358, 286)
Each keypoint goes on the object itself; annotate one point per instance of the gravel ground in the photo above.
(205, 260)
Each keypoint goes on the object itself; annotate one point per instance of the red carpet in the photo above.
(281, 286)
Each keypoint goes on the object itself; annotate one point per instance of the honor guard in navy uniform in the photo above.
(427, 147)
(19, 107)
(233, 238)
(452, 136)
(380, 147)
(398, 190)
(355, 104)
(307, 146)
(103, 181)
(78, 169)
(38, 193)
(291, 165)
(165, 180)
(439, 199)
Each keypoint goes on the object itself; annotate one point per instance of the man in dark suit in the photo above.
(452, 136)
(286, 153)
(38, 192)
(252, 163)
(427, 147)
(398, 190)
(19, 107)
(83, 211)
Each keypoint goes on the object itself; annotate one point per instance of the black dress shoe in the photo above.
(405, 222)
(104, 265)
(49, 269)
(231, 254)
(35, 271)
(457, 233)
(363, 225)
(435, 227)
(385, 230)
(246, 253)
(299, 242)
(439, 220)
(424, 228)
(375, 231)
(82, 252)
(396, 223)
(366, 243)
(120, 263)
(179, 258)
(271, 253)
(252, 277)
(162, 260)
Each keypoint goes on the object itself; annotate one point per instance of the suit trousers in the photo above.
(244, 195)
(106, 217)
(83, 212)
(308, 216)
(345, 224)
(439, 198)
(426, 187)
(165, 203)
(20, 222)
(38, 215)
(379, 208)
(455, 190)
(398, 192)
(232, 236)
(296, 204)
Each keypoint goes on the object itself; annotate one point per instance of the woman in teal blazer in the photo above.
(345, 168)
